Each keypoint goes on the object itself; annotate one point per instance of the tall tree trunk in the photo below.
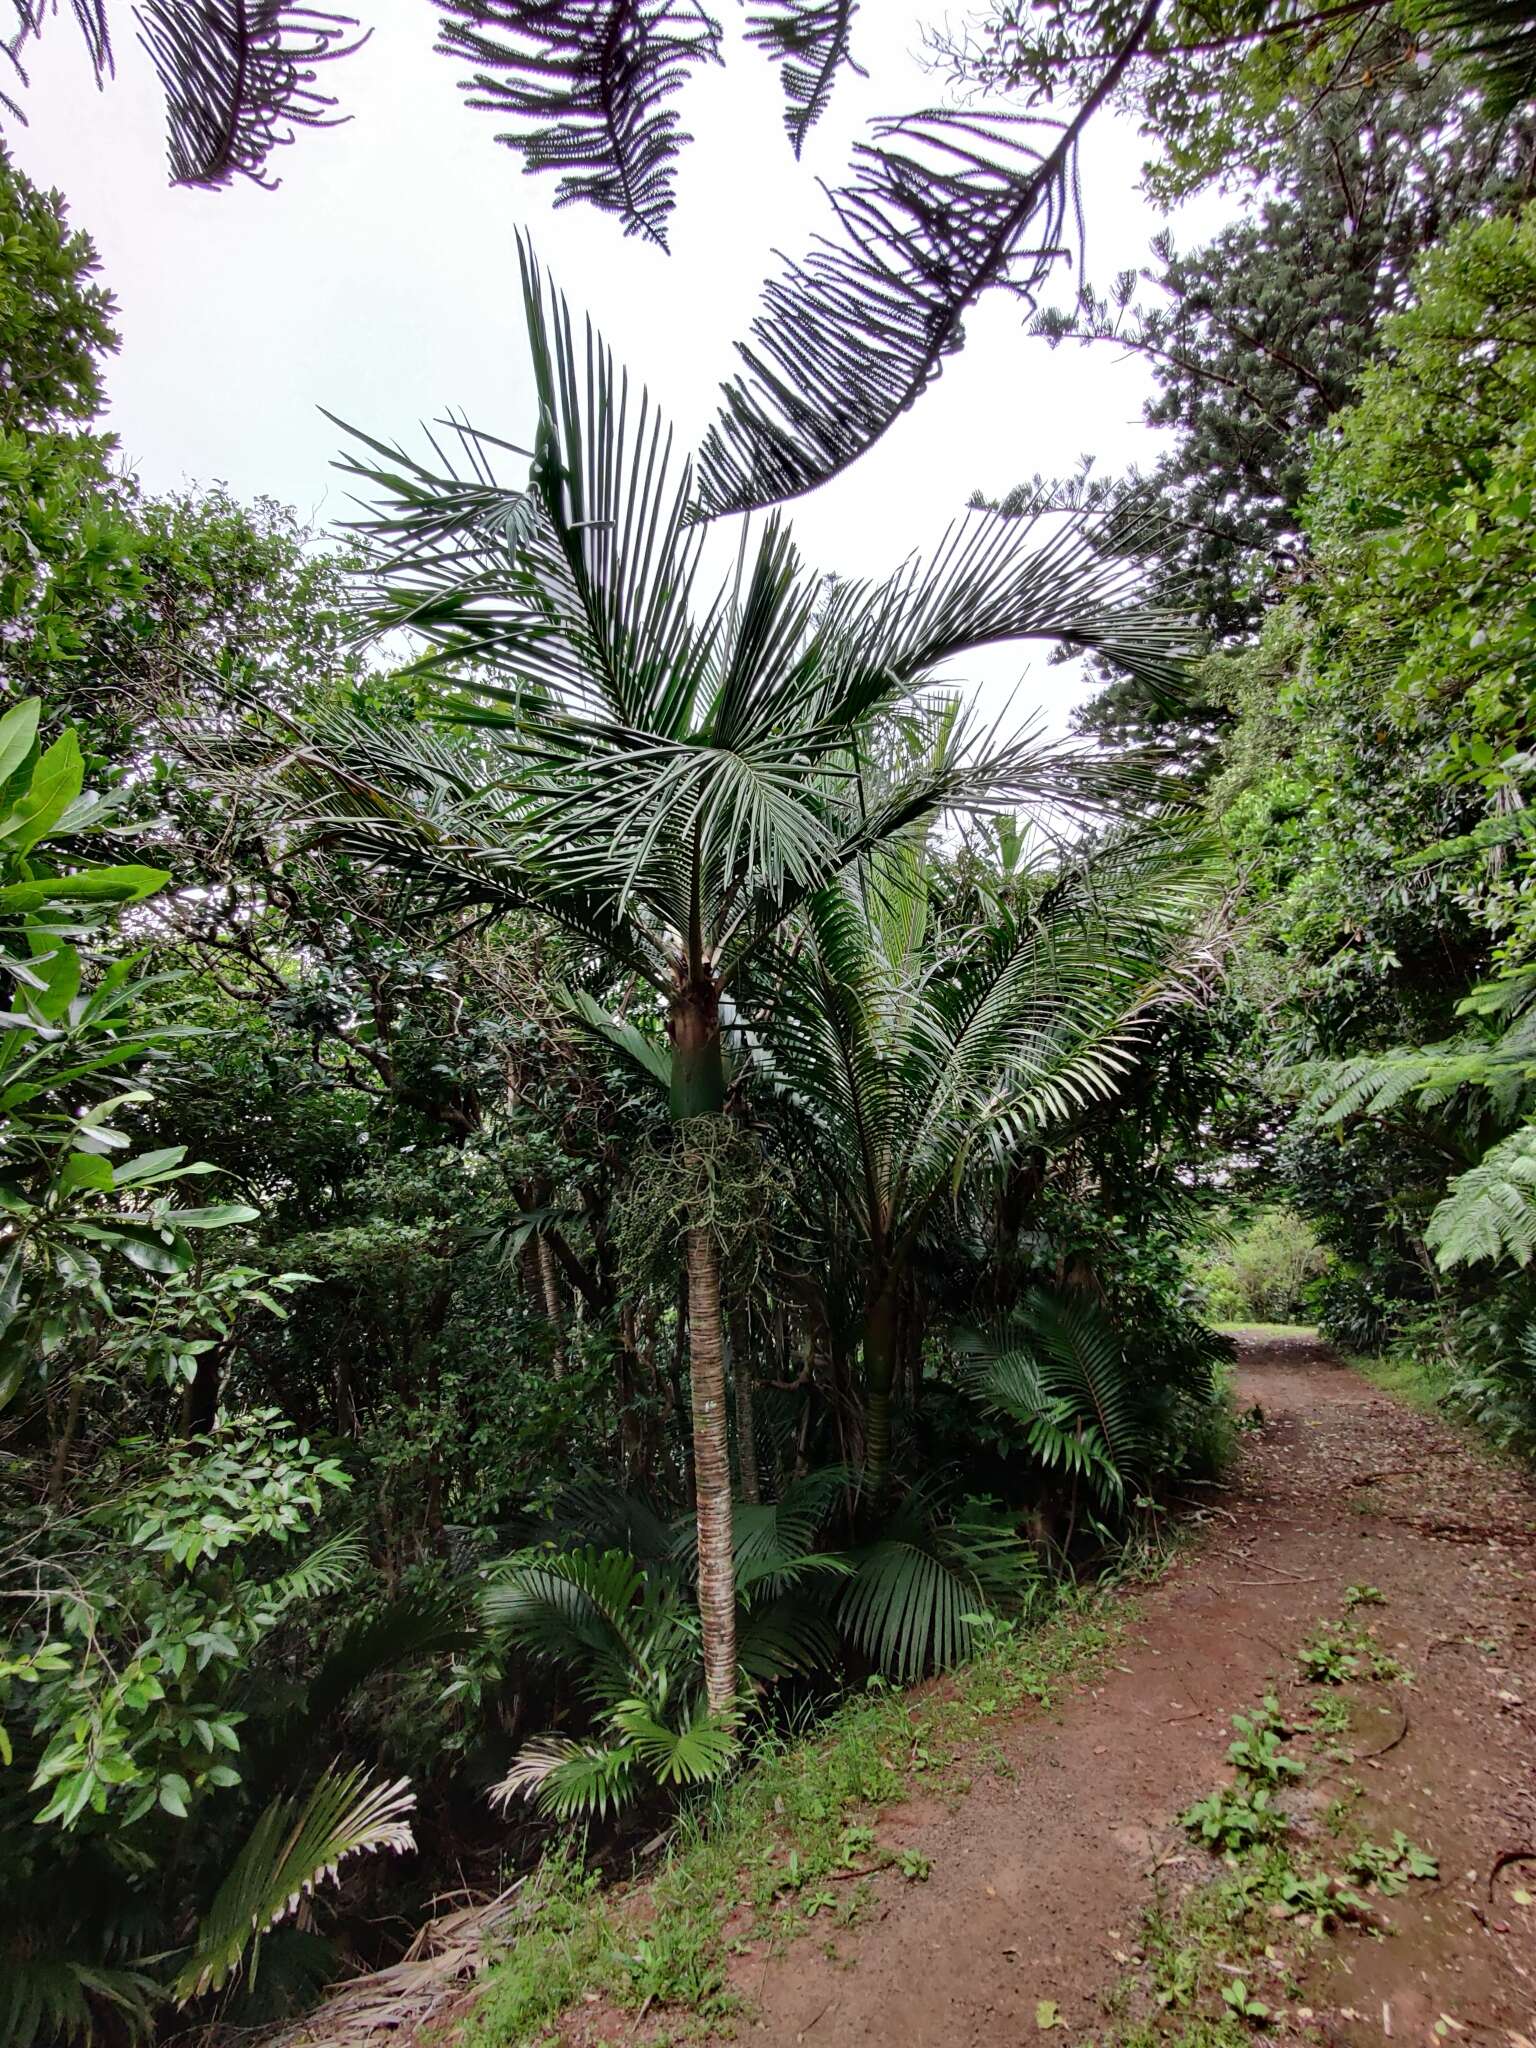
(712, 1471)
(698, 1090)
(203, 1394)
(746, 1431)
(879, 1377)
(554, 1307)
(59, 1470)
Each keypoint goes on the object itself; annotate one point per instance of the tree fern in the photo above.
(1489, 1212)
(293, 1847)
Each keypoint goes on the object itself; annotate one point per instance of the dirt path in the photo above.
(1041, 1874)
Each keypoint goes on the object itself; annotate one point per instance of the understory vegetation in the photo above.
(597, 1172)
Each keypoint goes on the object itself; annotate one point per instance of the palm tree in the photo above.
(668, 775)
(901, 1059)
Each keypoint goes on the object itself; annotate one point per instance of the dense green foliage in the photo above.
(714, 1175)
(604, 1004)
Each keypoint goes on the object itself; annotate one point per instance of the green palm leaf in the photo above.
(701, 1749)
(294, 1846)
(49, 1999)
(1058, 1369)
(571, 1780)
(587, 1610)
(918, 1586)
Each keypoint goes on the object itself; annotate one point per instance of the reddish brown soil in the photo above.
(1041, 1874)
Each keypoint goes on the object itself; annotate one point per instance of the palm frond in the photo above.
(809, 39)
(570, 1780)
(789, 1635)
(1499, 36)
(596, 1514)
(46, 1999)
(586, 88)
(293, 1847)
(1489, 1212)
(329, 1567)
(652, 1057)
(1084, 1362)
(918, 1586)
(575, 584)
(239, 77)
(1058, 1369)
(700, 1750)
(941, 205)
(584, 1610)
(419, 1624)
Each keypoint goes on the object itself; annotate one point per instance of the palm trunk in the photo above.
(879, 1377)
(746, 1431)
(698, 1090)
(712, 1471)
(554, 1307)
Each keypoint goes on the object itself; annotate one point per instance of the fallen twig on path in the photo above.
(1522, 1854)
(1365, 1755)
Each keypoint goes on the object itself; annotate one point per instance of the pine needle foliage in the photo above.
(810, 40)
(239, 76)
(586, 89)
(941, 206)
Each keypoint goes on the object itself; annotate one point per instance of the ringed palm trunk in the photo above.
(698, 1090)
(746, 1430)
(554, 1307)
(880, 1353)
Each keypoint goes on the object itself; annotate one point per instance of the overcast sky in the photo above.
(380, 282)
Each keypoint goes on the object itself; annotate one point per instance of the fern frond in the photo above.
(292, 1848)
(1489, 1212)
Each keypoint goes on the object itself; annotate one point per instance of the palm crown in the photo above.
(667, 770)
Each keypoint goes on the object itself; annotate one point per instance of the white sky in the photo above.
(380, 281)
